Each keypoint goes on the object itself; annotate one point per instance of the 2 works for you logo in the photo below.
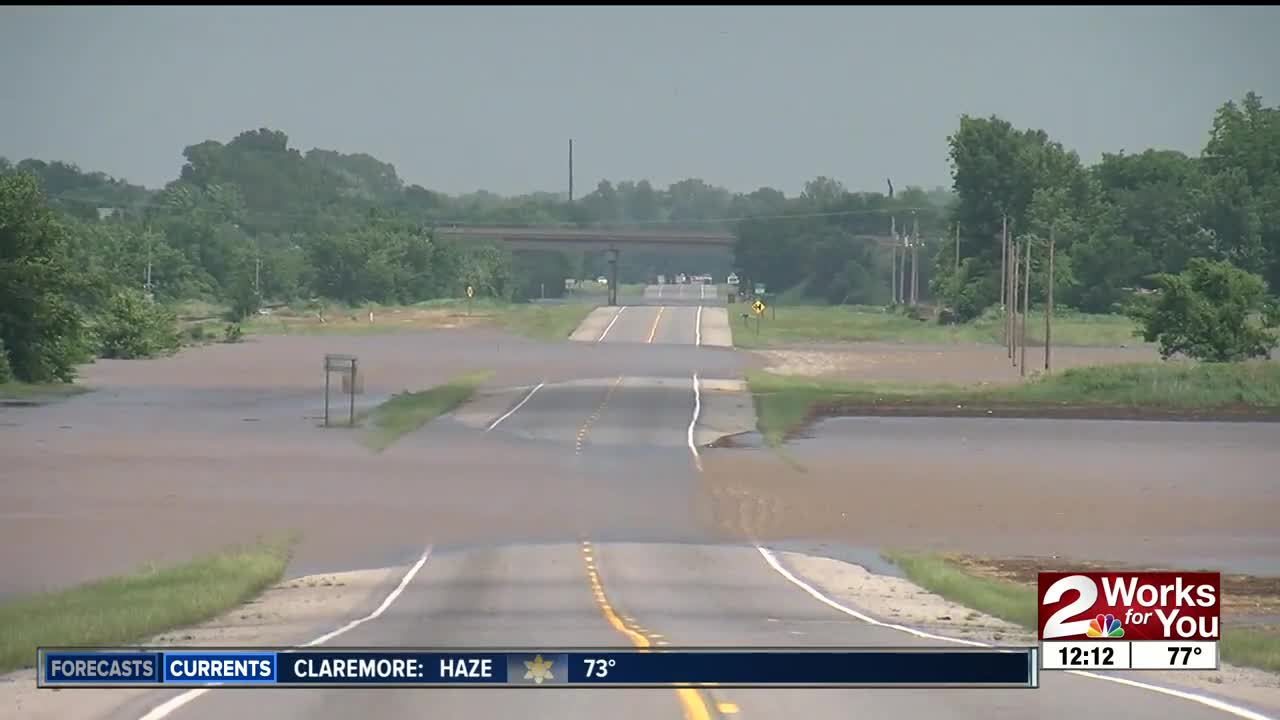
(1129, 606)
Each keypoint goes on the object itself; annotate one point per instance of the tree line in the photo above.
(87, 261)
(1120, 224)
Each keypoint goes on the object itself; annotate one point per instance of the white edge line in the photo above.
(611, 322)
(165, 709)
(697, 410)
(1214, 703)
(519, 405)
(697, 328)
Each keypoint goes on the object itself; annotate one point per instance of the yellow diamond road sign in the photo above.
(758, 307)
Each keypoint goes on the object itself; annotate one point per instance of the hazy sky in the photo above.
(486, 97)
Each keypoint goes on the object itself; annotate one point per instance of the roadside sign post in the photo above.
(347, 366)
(471, 293)
(758, 307)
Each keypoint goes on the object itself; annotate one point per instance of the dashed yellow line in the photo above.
(694, 706)
(586, 426)
(654, 330)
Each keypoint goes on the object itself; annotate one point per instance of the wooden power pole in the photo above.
(915, 250)
(1011, 310)
(1048, 305)
(893, 274)
(902, 276)
(1026, 305)
(1004, 258)
(957, 248)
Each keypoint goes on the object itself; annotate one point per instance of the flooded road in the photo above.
(1183, 494)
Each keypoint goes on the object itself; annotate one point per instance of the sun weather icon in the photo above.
(539, 669)
(1105, 626)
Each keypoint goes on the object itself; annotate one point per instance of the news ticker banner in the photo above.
(1129, 620)
(538, 667)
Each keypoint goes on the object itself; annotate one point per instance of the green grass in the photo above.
(39, 391)
(537, 320)
(408, 411)
(130, 608)
(1257, 647)
(624, 289)
(785, 323)
(785, 403)
(1016, 603)
(195, 310)
(544, 322)
(1008, 601)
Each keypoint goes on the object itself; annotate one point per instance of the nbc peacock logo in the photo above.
(1105, 626)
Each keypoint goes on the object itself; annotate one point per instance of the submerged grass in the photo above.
(130, 608)
(408, 411)
(785, 403)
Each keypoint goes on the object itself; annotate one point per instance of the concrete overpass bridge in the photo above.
(612, 240)
(603, 238)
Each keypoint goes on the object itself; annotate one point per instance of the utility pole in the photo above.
(915, 248)
(1004, 258)
(147, 280)
(1011, 311)
(570, 171)
(893, 246)
(1026, 306)
(902, 275)
(957, 248)
(1048, 305)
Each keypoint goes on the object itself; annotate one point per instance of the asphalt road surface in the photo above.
(601, 592)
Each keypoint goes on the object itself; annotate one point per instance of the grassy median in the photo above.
(545, 321)
(785, 404)
(1256, 647)
(851, 323)
(39, 392)
(549, 321)
(130, 608)
(408, 411)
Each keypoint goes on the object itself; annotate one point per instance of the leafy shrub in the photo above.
(1211, 311)
(133, 326)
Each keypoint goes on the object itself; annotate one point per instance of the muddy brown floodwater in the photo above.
(1178, 494)
(219, 445)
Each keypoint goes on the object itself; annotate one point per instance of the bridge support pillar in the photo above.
(613, 276)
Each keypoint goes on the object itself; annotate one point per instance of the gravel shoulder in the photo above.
(898, 601)
(291, 613)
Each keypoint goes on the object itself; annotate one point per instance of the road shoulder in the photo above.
(292, 612)
(898, 601)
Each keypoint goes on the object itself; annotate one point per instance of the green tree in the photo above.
(1211, 311)
(41, 328)
(134, 326)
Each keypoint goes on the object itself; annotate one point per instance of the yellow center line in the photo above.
(586, 426)
(654, 330)
(695, 708)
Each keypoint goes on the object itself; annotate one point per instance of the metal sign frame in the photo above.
(345, 365)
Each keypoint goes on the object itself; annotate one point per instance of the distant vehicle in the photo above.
(733, 278)
(681, 279)
(602, 280)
